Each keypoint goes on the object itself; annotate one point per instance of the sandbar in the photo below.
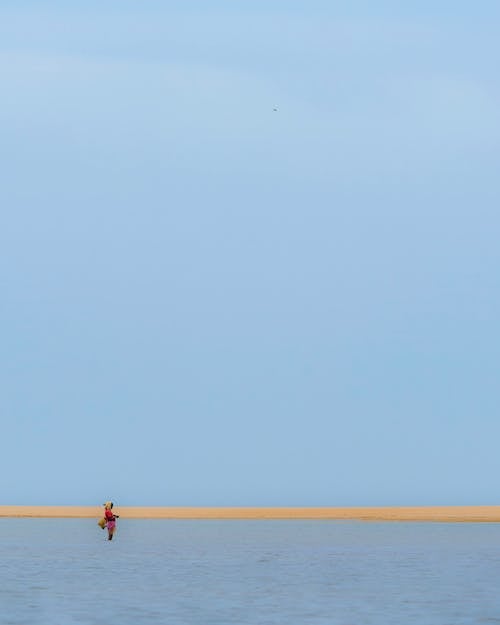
(447, 514)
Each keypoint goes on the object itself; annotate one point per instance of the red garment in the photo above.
(108, 515)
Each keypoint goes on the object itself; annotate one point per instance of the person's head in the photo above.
(108, 505)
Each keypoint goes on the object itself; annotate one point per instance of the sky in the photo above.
(206, 301)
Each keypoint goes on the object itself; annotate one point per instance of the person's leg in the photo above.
(111, 530)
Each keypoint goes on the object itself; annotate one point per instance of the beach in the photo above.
(447, 514)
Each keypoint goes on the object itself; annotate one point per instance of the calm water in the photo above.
(260, 572)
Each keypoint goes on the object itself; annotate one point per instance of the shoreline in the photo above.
(445, 514)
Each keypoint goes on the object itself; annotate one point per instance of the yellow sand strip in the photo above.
(429, 513)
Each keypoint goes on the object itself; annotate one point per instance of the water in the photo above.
(59, 572)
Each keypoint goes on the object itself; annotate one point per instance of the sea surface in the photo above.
(58, 572)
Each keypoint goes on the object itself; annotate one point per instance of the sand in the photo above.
(430, 513)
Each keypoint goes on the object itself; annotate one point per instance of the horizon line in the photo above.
(490, 514)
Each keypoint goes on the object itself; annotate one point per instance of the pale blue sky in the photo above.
(208, 302)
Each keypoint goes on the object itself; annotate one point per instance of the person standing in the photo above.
(110, 518)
